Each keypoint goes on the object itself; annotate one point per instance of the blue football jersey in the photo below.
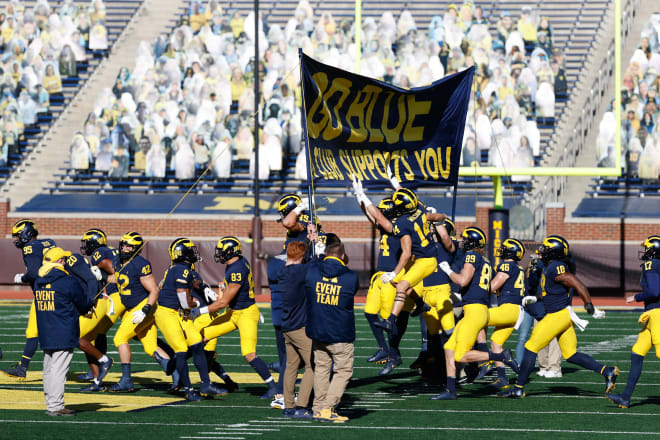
(478, 290)
(417, 227)
(33, 255)
(239, 272)
(106, 253)
(556, 296)
(78, 266)
(650, 266)
(513, 289)
(292, 236)
(389, 252)
(178, 276)
(128, 281)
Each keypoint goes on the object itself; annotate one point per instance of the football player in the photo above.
(89, 277)
(556, 281)
(139, 293)
(474, 281)
(509, 285)
(650, 334)
(25, 236)
(94, 244)
(294, 216)
(380, 296)
(206, 296)
(175, 323)
(241, 312)
(411, 227)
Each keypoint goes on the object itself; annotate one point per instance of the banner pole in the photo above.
(453, 204)
(310, 193)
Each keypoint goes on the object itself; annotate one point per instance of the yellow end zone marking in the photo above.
(140, 377)
(34, 400)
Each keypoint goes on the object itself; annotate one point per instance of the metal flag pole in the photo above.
(310, 191)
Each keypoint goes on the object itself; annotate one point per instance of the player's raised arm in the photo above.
(372, 211)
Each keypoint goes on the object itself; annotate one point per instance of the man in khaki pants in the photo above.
(59, 301)
(291, 280)
(330, 287)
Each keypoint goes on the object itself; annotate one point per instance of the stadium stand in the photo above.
(48, 51)
(523, 50)
(640, 138)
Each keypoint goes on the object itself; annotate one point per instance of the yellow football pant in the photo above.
(88, 325)
(650, 334)
(245, 320)
(559, 325)
(418, 270)
(441, 316)
(178, 332)
(475, 317)
(32, 331)
(145, 331)
(503, 318)
(380, 297)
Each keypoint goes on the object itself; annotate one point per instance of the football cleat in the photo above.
(329, 415)
(619, 399)
(422, 360)
(230, 385)
(289, 413)
(19, 372)
(274, 366)
(208, 389)
(445, 395)
(86, 376)
(378, 357)
(94, 388)
(192, 395)
(272, 390)
(509, 361)
(104, 367)
(484, 369)
(610, 375)
(125, 385)
(500, 383)
(277, 402)
(391, 364)
(514, 392)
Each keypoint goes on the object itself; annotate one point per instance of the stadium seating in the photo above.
(639, 133)
(117, 14)
(572, 42)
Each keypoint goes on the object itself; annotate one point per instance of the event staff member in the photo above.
(330, 287)
(291, 281)
(59, 301)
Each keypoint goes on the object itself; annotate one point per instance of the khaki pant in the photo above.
(298, 350)
(550, 357)
(328, 393)
(56, 366)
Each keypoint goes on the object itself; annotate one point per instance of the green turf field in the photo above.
(394, 407)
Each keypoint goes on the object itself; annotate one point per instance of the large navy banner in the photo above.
(359, 126)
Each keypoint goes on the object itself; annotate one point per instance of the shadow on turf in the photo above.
(647, 401)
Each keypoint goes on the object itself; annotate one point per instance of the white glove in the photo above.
(97, 272)
(446, 268)
(138, 317)
(319, 248)
(261, 318)
(529, 299)
(579, 322)
(387, 277)
(359, 192)
(111, 307)
(598, 313)
(210, 295)
(431, 209)
(304, 205)
(18, 278)
(455, 297)
(393, 180)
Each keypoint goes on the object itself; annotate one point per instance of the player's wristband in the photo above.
(147, 309)
(203, 310)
